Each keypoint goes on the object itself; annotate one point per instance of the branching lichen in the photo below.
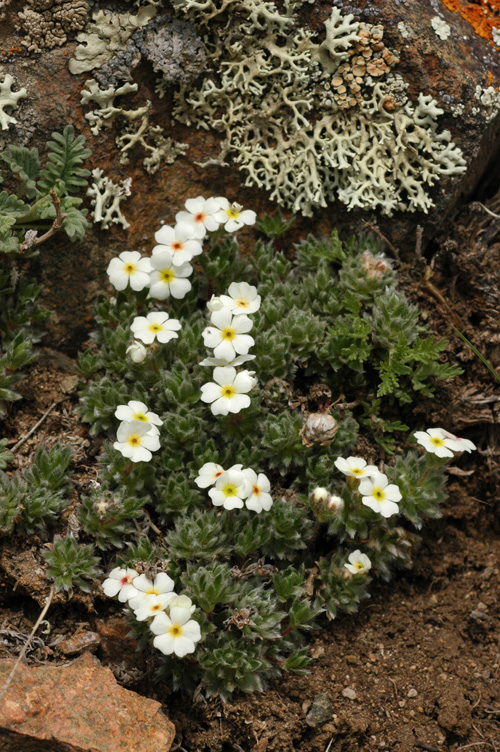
(106, 113)
(106, 197)
(151, 137)
(9, 100)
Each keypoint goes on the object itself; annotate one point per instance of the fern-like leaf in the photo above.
(25, 163)
(61, 171)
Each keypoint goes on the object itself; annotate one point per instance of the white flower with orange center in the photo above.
(436, 441)
(358, 563)
(129, 267)
(168, 278)
(180, 240)
(119, 583)
(208, 474)
(259, 498)
(176, 633)
(227, 334)
(355, 467)
(242, 298)
(228, 391)
(162, 584)
(135, 410)
(200, 214)
(231, 489)
(135, 441)
(152, 605)
(380, 495)
(233, 216)
(156, 325)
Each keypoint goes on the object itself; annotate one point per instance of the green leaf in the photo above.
(25, 163)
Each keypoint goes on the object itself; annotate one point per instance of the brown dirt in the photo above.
(417, 667)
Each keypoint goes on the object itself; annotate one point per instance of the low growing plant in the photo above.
(230, 477)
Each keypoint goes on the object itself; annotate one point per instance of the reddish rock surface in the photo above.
(77, 708)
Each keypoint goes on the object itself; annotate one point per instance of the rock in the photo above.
(349, 693)
(79, 643)
(412, 692)
(77, 708)
(321, 711)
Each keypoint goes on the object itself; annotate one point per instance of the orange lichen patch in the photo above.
(483, 15)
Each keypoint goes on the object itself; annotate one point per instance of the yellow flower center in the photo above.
(130, 268)
(356, 470)
(229, 489)
(228, 333)
(358, 565)
(228, 391)
(255, 490)
(139, 416)
(232, 213)
(167, 275)
(437, 441)
(156, 607)
(155, 328)
(134, 439)
(175, 630)
(240, 303)
(152, 591)
(378, 493)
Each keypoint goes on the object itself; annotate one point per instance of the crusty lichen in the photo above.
(46, 23)
(313, 121)
(9, 99)
(106, 198)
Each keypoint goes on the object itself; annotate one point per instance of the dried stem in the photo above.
(376, 231)
(32, 241)
(37, 424)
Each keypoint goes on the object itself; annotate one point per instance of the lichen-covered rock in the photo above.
(46, 23)
(77, 708)
(9, 98)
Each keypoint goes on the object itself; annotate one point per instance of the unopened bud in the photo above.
(320, 495)
(319, 428)
(335, 504)
(137, 352)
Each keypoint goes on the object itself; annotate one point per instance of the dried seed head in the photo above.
(319, 428)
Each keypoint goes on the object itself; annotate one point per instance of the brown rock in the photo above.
(77, 708)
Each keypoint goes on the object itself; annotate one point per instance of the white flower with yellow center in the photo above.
(259, 497)
(167, 278)
(208, 474)
(176, 633)
(232, 216)
(242, 298)
(358, 563)
(228, 334)
(355, 467)
(180, 240)
(129, 267)
(135, 410)
(135, 441)
(162, 584)
(231, 489)
(380, 495)
(434, 440)
(152, 605)
(200, 214)
(228, 391)
(156, 325)
(119, 583)
(136, 352)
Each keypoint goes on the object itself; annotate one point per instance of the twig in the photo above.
(27, 643)
(381, 236)
(439, 297)
(492, 214)
(37, 424)
(32, 241)
(418, 242)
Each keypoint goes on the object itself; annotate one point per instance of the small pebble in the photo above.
(349, 693)
(412, 692)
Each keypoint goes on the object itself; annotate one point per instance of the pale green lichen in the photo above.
(313, 121)
(9, 99)
(106, 112)
(106, 198)
(152, 139)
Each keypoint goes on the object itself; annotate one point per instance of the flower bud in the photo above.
(319, 428)
(137, 352)
(335, 504)
(215, 304)
(320, 495)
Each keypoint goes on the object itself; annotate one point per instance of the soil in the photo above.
(417, 668)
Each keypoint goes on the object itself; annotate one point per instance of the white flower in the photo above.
(435, 441)
(152, 605)
(201, 214)
(182, 601)
(167, 278)
(180, 240)
(156, 325)
(161, 585)
(129, 267)
(119, 583)
(238, 361)
(359, 563)
(230, 490)
(242, 298)
(259, 498)
(355, 467)
(380, 496)
(215, 303)
(176, 633)
(208, 474)
(136, 441)
(458, 444)
(137, 352)
(232, 216)
(227, 335)
(135, 410)
(229, 392)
